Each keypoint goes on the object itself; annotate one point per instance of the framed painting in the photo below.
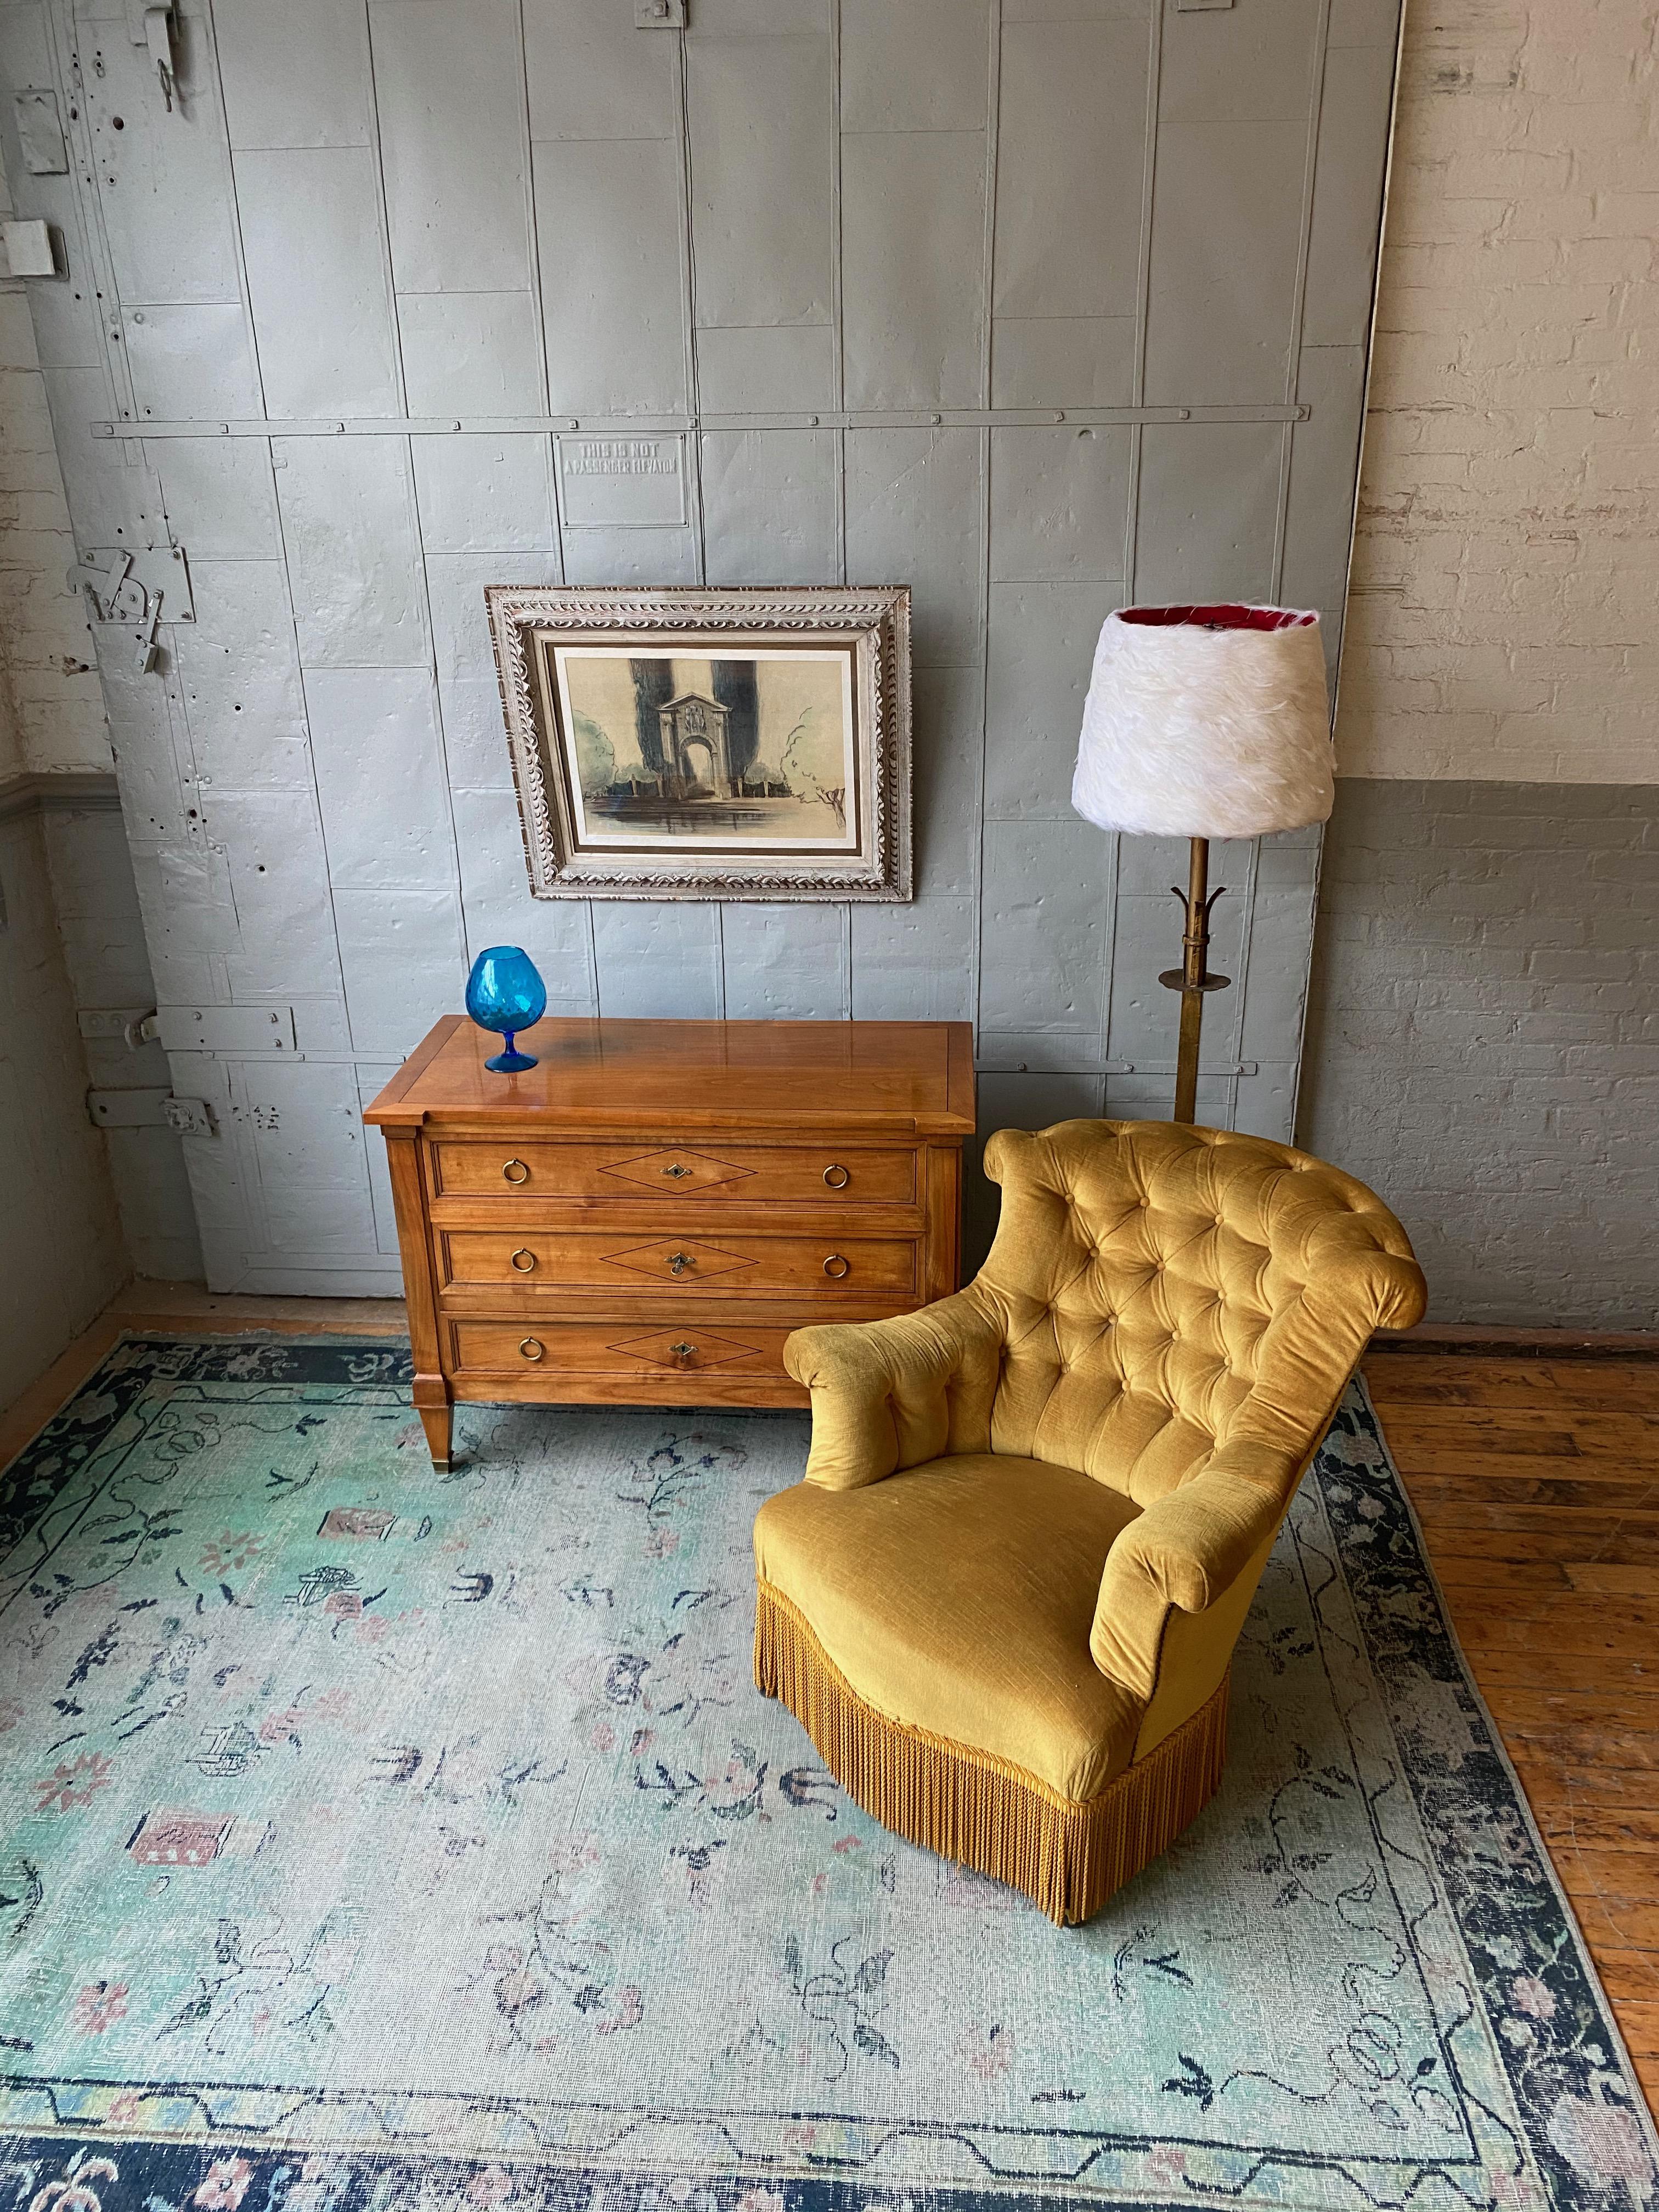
(709, 744)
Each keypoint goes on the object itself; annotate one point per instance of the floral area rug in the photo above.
(371, 1838)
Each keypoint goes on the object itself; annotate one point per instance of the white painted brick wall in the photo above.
(1506, 567)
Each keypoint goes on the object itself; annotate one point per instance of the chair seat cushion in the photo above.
(957, 1596)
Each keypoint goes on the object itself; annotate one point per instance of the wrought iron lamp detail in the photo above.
(1202, 722)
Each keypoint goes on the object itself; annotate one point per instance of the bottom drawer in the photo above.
(632, 1351)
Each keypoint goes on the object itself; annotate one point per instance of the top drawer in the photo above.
(745, 1175)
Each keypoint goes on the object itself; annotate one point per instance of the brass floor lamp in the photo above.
(1202, 722)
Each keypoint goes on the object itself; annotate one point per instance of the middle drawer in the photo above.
(599, 1258)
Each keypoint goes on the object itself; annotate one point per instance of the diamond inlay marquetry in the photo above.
(698, 1263)
(675, 1348)
(681, 1172)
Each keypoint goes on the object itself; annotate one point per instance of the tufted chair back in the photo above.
(1161, 1290)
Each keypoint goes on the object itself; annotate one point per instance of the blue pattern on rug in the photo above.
(371, 1838)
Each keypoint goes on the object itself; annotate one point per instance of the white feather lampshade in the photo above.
(1206, 722)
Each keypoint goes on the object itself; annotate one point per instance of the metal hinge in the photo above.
(150, 1110)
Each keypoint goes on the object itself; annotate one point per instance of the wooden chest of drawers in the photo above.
(643, 1217)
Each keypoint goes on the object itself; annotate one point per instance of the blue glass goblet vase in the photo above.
(505, 992)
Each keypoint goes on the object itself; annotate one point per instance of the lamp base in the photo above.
(1193, 978)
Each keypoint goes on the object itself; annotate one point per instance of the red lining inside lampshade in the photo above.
(1227, 617)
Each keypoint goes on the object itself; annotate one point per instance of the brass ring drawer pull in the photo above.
(524, 1259)
(679, 1261)
(836, 1266)
(523, 1176)
(532, 1348)
(836, 1177)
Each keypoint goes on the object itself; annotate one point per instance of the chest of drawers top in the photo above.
(904, 1079)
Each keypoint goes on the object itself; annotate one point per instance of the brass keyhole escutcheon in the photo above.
(683, 1351)
(532, 1348)
(679, 1261)
(524, 1259)
(507, 1166)
(676, 1171)
(836, 1177)
(836, 1266)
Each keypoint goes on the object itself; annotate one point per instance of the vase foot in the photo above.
(510, 1063)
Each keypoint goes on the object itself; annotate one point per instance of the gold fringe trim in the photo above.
(1067, 1855)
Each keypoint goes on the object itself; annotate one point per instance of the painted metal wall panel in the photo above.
(771, 506)
(762, 117)
(608, 215)
(656, 959)
(191, 362)
(472, 353)
(947, 731)
(162, 175)
(1060, 503)
(1043, 940)
(402, 952)
(766, 372)
(348, 522)
(1354, 153)
(219, 497)
(1208, 511)
(482, 494)
(590, 76)
(381, 776)
(297, 75)
(1071, 151)
(915, 963)
(1042, 645)
(455, 596)
(922, 65)
(913, 254)
(1324, 451)
(459, 258)
(322, 315)
(279, 878)
(449, 92)
(497, 907)
(916, 515)
(238, 677)
(785, 963)
(475, 743)
(1225, 245)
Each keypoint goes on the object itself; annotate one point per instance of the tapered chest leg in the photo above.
(438, 1422)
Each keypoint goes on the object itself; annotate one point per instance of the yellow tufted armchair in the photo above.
(1004, 1601)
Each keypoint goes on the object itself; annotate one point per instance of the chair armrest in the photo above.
(1185, 1550)
(890, 1393)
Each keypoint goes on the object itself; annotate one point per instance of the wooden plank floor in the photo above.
(1537, 1483)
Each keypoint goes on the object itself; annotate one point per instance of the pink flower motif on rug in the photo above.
(68, 1788)
(99, 2006)
(225, 2185)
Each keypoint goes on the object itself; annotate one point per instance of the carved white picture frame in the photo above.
(539, 630)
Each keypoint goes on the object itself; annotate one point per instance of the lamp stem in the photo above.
(1193, 979)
